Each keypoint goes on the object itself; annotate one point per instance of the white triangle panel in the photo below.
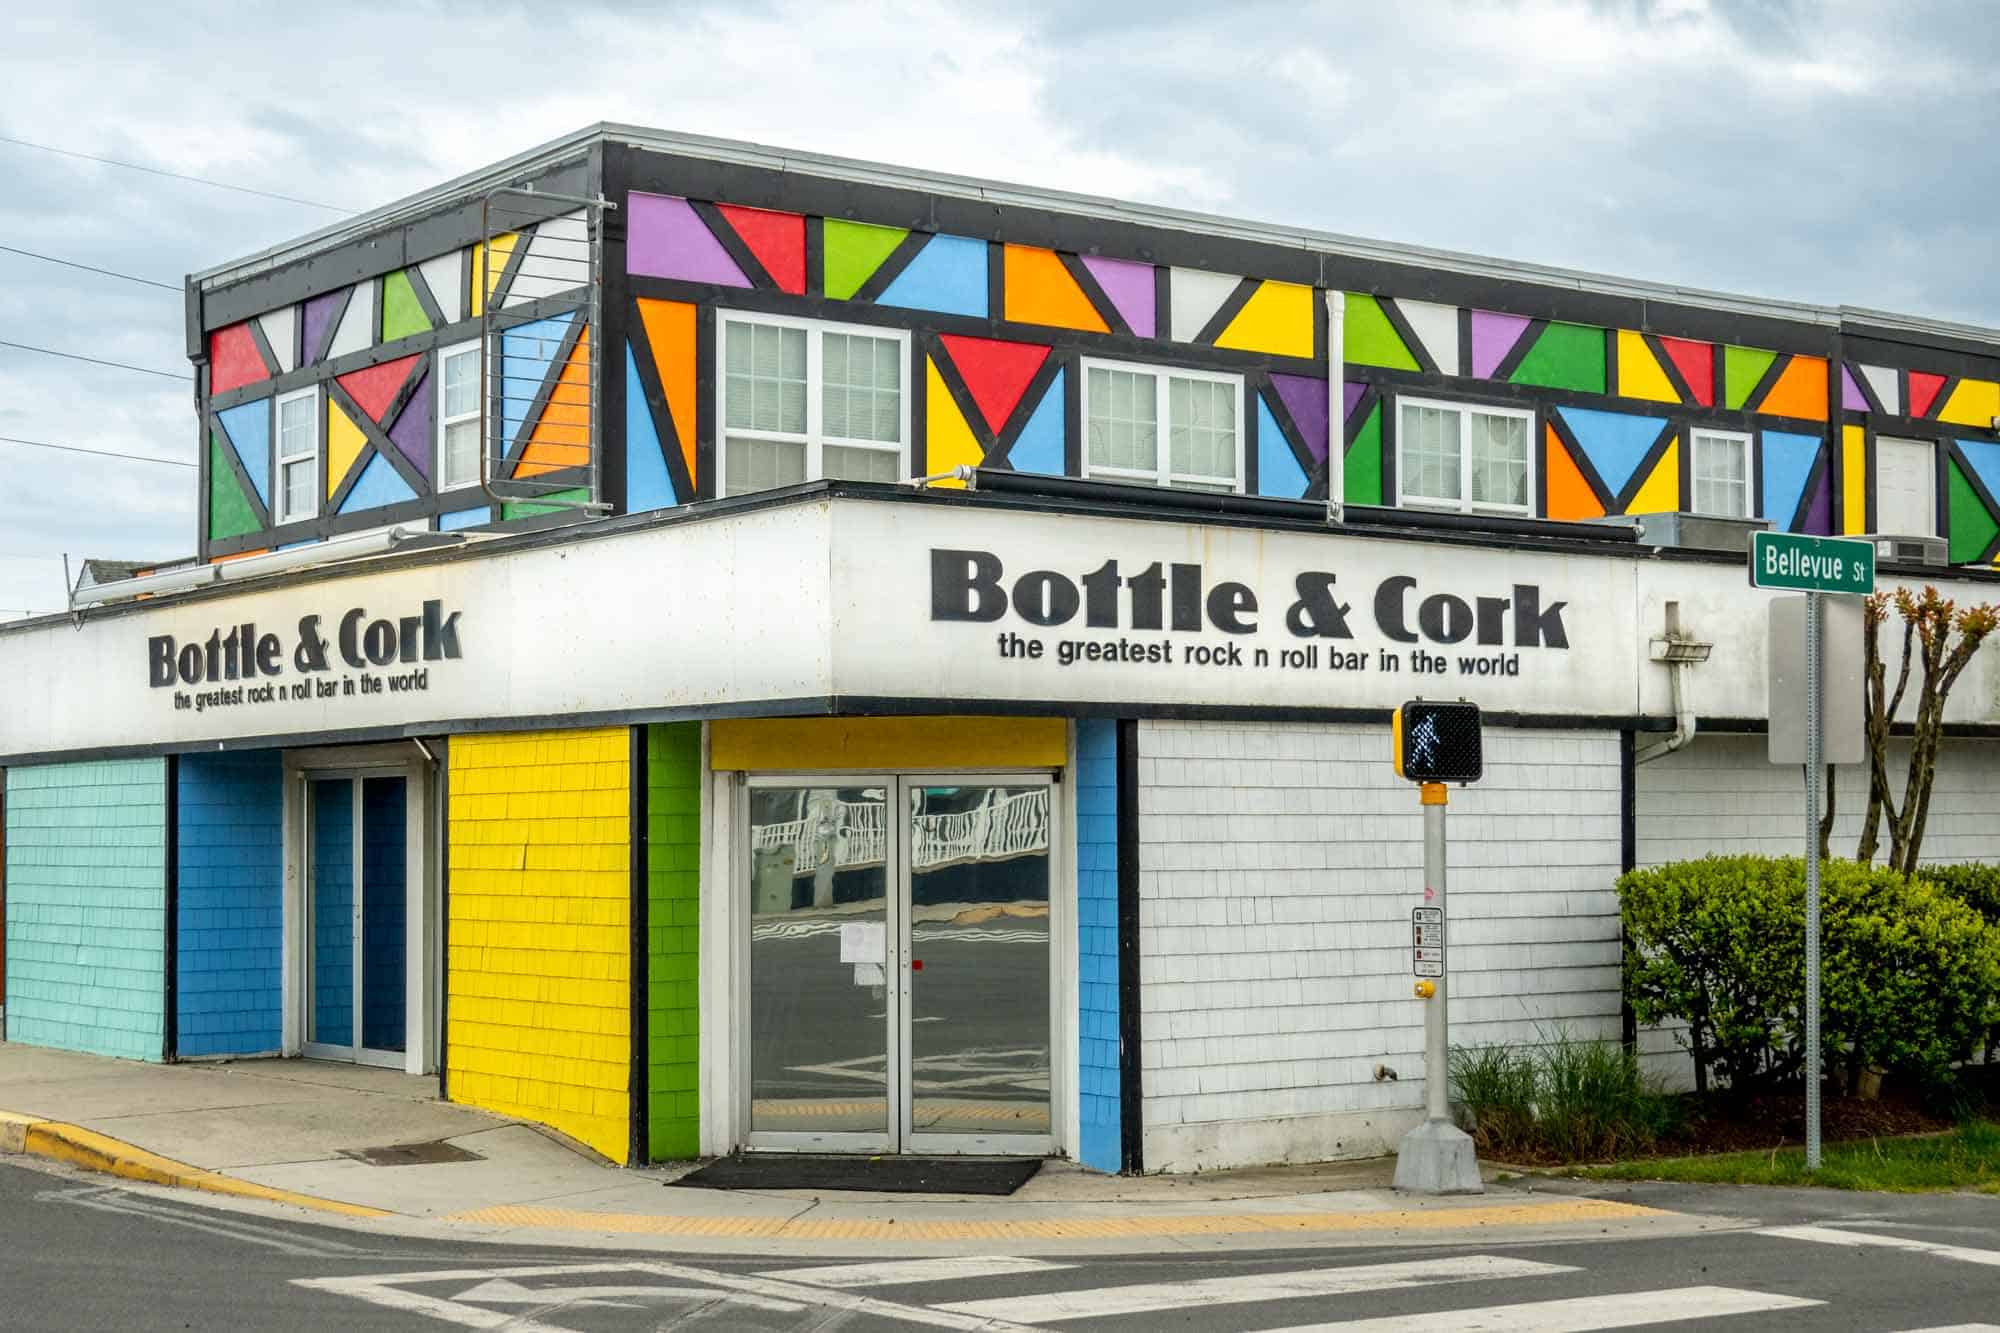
(1436, 326)
(281, 330)
(1194, 295)
(357, 326)
(445, 276)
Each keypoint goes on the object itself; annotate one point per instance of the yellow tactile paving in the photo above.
(1078, 1228)
(100, 1152)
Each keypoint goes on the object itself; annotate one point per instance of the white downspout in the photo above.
(1336, 392)
(1677, 650)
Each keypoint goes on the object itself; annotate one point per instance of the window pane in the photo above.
(1123, 426)
(461, 453)
(461, 383)
(298, 487)
(1721, 474)
(295, 426)
(759, 465)
(765, 378)
(1499, 459)
(1430, 452)
(861, 396)
(847, 463)
(1201, 427)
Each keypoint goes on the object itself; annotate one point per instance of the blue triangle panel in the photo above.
(1788, 460)
(1614, 442)
(465, 518)
(248, 426)
(380, 485)
(1278, 471)
(948, 275)
(1039, 447)
(1985, 460)
(525, 354)
(647, 482)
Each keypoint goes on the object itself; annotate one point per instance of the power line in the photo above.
(95, 361)
(89, 268)
(175, 175)
(97, 453)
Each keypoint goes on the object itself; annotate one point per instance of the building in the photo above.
(706, 647)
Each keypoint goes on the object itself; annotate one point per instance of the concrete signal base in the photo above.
(1437, 1158)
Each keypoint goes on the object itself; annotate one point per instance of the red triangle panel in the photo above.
(1696, 363)
(1923, 391)
(777, 239)
(996, 372)
(233, 359)
(375, 388)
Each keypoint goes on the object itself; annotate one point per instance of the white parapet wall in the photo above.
(1278, 866)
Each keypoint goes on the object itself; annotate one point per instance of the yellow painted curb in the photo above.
(100, 1152)
(1078, 1228)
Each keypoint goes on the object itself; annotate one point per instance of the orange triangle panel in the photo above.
(1800, 390)
(670, 333)
(562, 437)
(1570, 495)
(1039, 290)
(375, 388)
(777, 239)
(996, 372)
(1923, 392)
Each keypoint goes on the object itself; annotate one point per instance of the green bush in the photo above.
(1910, 976)
(1569, 1099)
(1974, 884)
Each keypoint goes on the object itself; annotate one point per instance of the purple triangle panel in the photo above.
(666, 238)
(412, 432)
(1129, 284)
(1350, 395)
(1305, 398)
(1493, 336)
(320, 311)
(1819, 514)
(1851, 397)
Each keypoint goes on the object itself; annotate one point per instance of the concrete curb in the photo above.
(92, 1151)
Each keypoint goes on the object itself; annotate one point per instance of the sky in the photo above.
(1838, 153)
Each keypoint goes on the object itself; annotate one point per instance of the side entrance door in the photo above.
(899, 971)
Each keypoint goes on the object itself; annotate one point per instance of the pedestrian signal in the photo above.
(1437, 742)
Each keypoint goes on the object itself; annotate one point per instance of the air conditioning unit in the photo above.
(1695, 532)
(1903, 549)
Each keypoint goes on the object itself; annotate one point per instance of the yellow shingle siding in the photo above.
(540, 967)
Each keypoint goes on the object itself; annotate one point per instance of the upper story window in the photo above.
(458, 416)
(1464, 457)
(1906, 487)
(804, 400)
(1721, 471)
(298, 457)
(1130, 411)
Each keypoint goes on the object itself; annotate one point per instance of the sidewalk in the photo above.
(293, 1132)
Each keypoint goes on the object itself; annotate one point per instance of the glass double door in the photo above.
(899, 964)
(357, 917)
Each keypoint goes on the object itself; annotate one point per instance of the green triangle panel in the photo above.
(1973, 527)
(1742, 369)
(402, 314)
(230, 513)
(1364, 461)
(1369, 339)
(854, 250)
(1566, 356)
(557, 500)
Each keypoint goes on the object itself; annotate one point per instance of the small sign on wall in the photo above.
(1427, 941)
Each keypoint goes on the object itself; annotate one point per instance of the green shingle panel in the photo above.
(673, 875)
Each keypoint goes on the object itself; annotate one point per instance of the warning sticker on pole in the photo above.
(1427, 941)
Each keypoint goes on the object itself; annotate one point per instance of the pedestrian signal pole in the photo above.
(1436, 743)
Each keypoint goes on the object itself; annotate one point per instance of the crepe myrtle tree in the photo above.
(1940, 639)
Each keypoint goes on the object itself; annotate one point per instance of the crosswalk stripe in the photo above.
(913, 1270)
(1099, 1302)
(1577, 1314)
(1836, 1236)
(1958, 1328)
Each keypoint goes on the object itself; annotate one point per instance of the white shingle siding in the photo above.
(1278, 867)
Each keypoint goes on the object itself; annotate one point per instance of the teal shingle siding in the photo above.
(86, 906)
(231, 903)
(1097, 942)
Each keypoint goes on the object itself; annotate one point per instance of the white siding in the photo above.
(1278, 867)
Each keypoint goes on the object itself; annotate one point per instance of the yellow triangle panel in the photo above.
(1041, 291)
(344, 443)
(1277, 319)
(1639, 372)
(489, 262)
(1662, 492)
(1972, 403)
(948, 441)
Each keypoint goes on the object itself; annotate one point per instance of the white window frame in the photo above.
(279, 514)
(1464, 504)
(1931, 448)
(444, 482)
(814, 438)
(1163, 376)
(1743, 441)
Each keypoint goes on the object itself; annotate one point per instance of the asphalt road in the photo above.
(79, 1253)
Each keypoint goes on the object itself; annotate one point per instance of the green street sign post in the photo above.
(1815, 566)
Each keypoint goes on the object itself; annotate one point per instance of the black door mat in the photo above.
(883, 1175)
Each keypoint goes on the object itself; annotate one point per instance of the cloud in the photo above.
(1830, 152)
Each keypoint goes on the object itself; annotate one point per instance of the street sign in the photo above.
(1842, 701)
(1800, 563)
(1427, 941)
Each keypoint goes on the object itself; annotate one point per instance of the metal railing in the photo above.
(852, 834)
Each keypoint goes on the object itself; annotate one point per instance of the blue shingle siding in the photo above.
(86, 850)
(231, 893)
(1097, 940)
